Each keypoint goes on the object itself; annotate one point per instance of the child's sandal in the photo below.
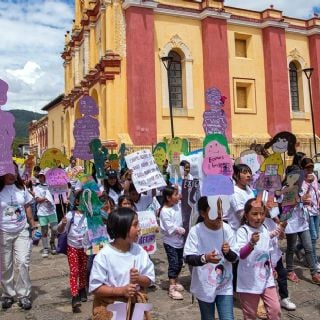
(174, 294)
(293, 277)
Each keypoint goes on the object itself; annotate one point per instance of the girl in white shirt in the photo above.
(121, 267)
(173, 238)
(75, 224)
(255, 275)
(242, 176)
(208, 250)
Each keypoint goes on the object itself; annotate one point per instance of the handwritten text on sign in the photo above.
(146, 174)
(149, 226)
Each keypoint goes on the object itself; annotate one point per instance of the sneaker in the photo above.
(53, 248)
(25, 303)
(288, 304)
(318, 266)
(174, 294)
(45, 253)
(293, 277)
(76, 302)
(179, 287)
(7, 302)
(315, 278)
(83, 295)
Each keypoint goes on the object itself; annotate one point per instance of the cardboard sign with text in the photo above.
(145, 172)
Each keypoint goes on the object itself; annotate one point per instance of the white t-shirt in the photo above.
(237, 202)
(210, 280)
(313, 190)
(111, 267)
(77, 230)
(299, 220)
(48, 207)
(170, 220)
(115, 196)
(12, 213)
(255, 272)
(275, 251)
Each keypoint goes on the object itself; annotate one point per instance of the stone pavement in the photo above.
(51, 300)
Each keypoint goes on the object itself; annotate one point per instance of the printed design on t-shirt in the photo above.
(263, 264)
(15, 211)
(218, 275)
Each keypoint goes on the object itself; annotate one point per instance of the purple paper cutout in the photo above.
(217, 185)
(214, 119)
(121, 310)
(86, 128)
(214, 98)
(7, 134)
(56, 177)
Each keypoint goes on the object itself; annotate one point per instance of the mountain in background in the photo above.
(22, 120)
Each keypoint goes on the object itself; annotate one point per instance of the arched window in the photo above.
(175, 78)
(294, 86)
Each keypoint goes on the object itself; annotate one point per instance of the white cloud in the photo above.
(292, 8)
(30, 73)
(32, 39)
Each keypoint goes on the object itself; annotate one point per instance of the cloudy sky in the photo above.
(32, 38)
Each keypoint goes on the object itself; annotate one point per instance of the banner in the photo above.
(145, 172)
(149, 227)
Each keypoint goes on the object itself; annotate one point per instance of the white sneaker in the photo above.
(45, 253)
(288, 304)
(318, 266)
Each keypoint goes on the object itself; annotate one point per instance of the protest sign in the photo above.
(190, 195)
(57, 179)
(146, 174)
(7, 133)
(195, 159)
(86, 128)
(149, 227)
(52, 158)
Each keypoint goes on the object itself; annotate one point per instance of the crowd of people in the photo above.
(230, 254)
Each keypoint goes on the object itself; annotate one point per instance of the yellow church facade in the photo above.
(256, 59)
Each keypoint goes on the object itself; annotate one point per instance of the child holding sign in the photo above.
(173, 238)
(208, 250)
(121, 267)
(255, 277)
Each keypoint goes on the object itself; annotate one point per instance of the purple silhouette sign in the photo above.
(86, 128)
(214, 119)
(7, 133)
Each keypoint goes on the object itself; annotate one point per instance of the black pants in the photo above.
(175, 260)
(282, 280)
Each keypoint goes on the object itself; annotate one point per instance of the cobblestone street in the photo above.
(51, 297)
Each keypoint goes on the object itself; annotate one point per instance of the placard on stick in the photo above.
(146, 174)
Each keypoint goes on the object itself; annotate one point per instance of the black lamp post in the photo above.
(308, 73)
(167, 62)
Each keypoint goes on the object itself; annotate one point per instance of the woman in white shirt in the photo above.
(15, 244)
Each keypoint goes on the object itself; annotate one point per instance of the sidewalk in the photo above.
(51, 296)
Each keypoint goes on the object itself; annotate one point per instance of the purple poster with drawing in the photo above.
(214, 119)
(86, 128)
(7, 133)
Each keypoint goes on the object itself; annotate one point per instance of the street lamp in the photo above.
(167, 62)
(308, 73)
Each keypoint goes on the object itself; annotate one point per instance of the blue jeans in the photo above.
(314, 234)
(305, 239)
(175, 260)
(224, 306)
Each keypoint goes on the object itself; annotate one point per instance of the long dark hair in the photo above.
(291, 138)
(18, 183)
(116, 188)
